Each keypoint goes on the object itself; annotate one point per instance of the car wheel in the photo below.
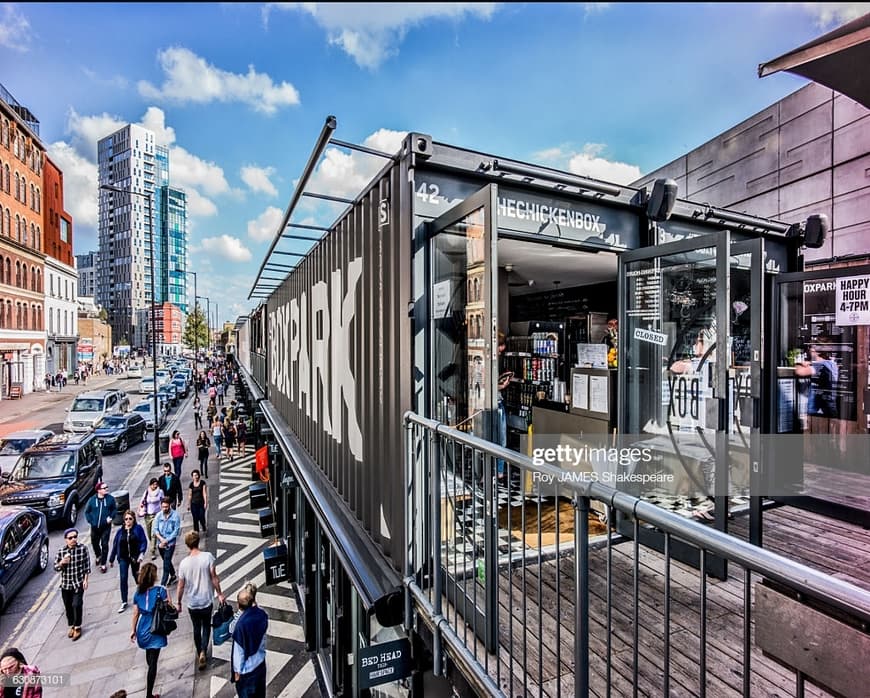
(72, 514)
(122, 444)
(42, 565)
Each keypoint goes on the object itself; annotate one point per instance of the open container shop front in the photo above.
(481, 293)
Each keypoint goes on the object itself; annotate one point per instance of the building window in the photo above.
(50, 323)
(18, 274)
(23, 276)
(64, 230)
(51, 284)
(38, 281)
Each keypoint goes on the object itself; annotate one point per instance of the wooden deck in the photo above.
(536, 656)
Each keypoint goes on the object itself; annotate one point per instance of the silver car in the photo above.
(14, 444)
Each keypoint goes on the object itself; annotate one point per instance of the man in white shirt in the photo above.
(197, 574)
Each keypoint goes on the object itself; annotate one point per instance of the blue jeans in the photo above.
(218, 442)
(168, 568)
(502, 433)
(123, 567)
(253, 684)
(176, 463)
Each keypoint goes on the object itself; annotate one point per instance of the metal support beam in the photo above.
(327, 197)
(361, 148)
(323, 140)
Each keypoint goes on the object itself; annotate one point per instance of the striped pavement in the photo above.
(239, 552)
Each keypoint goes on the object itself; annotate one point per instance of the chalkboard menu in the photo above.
(559, 304)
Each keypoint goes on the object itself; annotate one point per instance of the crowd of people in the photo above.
(155, 524)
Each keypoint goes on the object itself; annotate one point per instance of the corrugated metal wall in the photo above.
(339, 357)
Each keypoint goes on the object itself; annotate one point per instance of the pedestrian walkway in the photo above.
(289, 668)
(104, 660)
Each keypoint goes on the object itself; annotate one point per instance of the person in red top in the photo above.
(178, 451)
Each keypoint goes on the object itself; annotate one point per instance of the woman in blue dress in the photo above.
(147, 593)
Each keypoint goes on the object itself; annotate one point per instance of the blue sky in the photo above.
(239, 93)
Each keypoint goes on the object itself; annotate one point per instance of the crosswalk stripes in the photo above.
(289, 668)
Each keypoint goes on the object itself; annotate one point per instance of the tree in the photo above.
(195, 327)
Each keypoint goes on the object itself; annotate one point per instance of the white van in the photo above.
(88, 409)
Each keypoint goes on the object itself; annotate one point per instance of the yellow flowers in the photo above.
(611, 357)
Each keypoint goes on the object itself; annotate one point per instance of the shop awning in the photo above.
(838, 60)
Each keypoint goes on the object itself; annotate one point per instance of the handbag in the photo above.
(220, 622)
(164, 617)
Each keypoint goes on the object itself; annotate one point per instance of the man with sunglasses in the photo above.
(100, 512)
(73, 561)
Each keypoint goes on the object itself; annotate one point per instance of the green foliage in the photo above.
(195, 330)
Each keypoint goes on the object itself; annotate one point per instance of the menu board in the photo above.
(580, 391)
(643, 302)
(592, 355)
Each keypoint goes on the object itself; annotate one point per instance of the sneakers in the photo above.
(122, 607)
(103, 569)
(202, 661)
(172, 580)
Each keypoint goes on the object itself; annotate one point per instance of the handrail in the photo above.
(833, 591)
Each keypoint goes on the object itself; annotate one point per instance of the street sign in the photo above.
(384, 662)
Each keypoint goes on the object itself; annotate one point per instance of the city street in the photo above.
(104, 660)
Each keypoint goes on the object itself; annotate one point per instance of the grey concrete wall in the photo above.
(808, 153)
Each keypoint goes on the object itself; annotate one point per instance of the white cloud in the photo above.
(79, 184)
(155, 120)
(263, 227)
(14, 29)
(829, 14)
(116, 82)
(595, 8)
(257, 178)
(371, 32)
(189, 78)
(191, 172)
(589, 163)
(198, 206)
(227, 247)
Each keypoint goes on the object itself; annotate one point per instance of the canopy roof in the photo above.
(840, 60)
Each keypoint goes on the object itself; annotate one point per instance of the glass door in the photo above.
(674, 377)
(464, 345)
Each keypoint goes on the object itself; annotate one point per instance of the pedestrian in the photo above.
(249, 648)
(197, 501)
(241, 434)
(229, 434)
(167, 526)
(197, 413)
(73, 561)
(220, 393)
(48, 382)
(100, 512)
(13, 663)
(210, 412)
(129, 547)
(170, 483)
(149, 507)
(202, 443)
(212, 393)
(147, 593)
(217, 434)
(177, 450)
(197, 574)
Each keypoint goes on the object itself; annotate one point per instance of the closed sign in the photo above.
(650, 336)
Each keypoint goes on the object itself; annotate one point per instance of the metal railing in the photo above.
(524, 602)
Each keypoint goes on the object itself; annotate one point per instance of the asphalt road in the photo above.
(120, 470)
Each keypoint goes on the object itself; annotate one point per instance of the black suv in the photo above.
(56, 477)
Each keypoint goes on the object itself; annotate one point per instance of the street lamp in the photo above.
(207, 319)
(195, 322)
(147, 195)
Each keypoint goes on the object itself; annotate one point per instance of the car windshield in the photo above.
(114, 422)
(142, 407)
(87, 404)
(40, 465)
(12, 447)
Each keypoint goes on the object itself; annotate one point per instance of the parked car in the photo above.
(146, 409)
(171, 394)
(23, 549)
(146, 385)
(180, 383)
(56, 477)
(14, 444)
(89, 408)
(118, 432)
(134, 371)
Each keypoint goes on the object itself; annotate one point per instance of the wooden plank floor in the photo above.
(536, 616)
